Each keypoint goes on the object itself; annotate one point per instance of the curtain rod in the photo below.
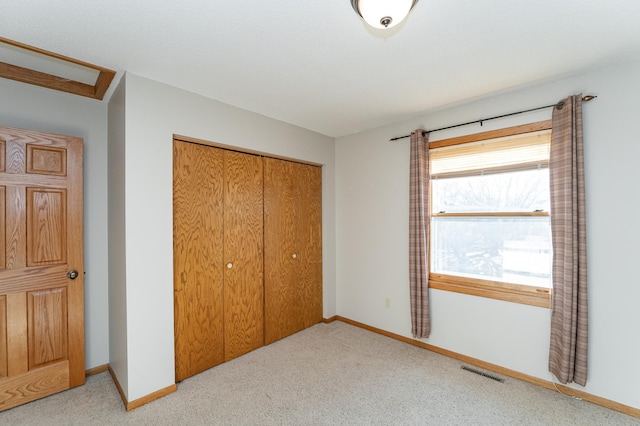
(584, 99)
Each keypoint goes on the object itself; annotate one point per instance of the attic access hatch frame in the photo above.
(47, 69)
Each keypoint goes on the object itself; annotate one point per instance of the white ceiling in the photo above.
(316, 65)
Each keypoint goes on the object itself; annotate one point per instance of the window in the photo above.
(490, 230)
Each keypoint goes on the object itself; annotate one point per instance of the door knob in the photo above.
(229, 265)
(72, 275)
(294, 255)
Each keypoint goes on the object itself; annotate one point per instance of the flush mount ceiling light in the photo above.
(383, 13)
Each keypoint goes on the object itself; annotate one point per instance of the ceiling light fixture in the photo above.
(383, 13)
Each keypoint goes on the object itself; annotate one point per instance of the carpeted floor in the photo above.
(329, 374)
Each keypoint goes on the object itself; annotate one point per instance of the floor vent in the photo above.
(482, 373)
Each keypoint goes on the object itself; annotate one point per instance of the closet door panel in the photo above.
(309, 233)
(243, 254)
(280, 221)
(198, 267)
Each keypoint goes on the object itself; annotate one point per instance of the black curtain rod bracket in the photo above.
(559, 105)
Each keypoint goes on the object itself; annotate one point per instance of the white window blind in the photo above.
(512, 153)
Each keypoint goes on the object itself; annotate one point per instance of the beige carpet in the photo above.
(329, 374)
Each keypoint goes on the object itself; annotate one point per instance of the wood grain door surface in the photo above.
(243, 234)
(41, 308)
(293, 247)
(198, 258)
(309, 233)
(218, 281)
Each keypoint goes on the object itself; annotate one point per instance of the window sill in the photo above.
(527, 295)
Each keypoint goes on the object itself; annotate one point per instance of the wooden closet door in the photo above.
(198, 257)
(309, 233)
(293, 248)
(243, 254)
(280, 203)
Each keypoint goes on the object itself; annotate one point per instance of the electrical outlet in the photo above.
(387, 303)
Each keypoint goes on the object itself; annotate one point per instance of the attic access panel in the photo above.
(28, 64)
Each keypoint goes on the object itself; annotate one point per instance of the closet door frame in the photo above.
(243, 150)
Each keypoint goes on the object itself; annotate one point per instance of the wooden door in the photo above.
(243, 254)
(198, 262)
(293, 247)
(280, 200)
(309, 233)
(218, 256)
(41, 265)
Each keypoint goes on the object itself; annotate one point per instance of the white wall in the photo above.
(372, 222)
(154, 113)
(35, 108)
(117, 238)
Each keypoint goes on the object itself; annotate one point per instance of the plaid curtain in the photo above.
(419, 212)
(568, 349)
